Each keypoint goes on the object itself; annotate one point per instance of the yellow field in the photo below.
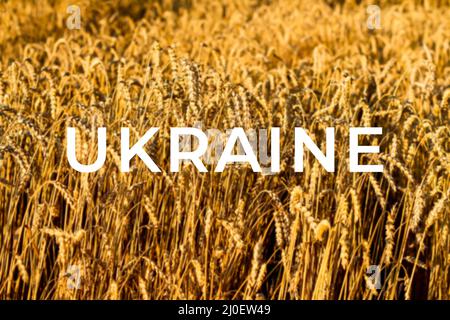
(236, 234)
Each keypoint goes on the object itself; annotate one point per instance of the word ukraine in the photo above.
(227, 156)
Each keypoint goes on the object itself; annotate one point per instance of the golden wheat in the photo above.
(235, 234)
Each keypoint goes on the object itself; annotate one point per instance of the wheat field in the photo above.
(236, 234)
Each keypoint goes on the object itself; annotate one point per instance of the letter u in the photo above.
(71, 151)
